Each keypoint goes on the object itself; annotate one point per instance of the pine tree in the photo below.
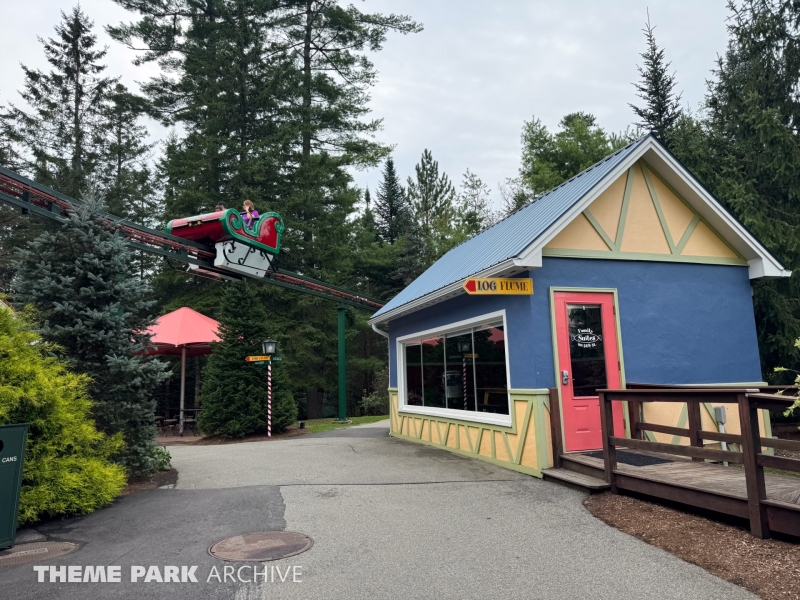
(126, 176)
(271, 99)
(368, 217)
(752, 148)
(234, 393)
(661, 108)
(473, 210)
(431, 195)
(80, 279)
(392, 213)
(61, 135)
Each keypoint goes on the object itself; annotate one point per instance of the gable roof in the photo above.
(515, 243)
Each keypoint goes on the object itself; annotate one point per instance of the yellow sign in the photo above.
(498, 286)
(256, 358)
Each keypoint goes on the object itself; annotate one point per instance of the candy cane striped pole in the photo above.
(464, 380)
(269, 398)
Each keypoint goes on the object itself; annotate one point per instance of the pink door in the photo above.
(588, 360)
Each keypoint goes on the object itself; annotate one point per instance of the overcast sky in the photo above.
(463, 87)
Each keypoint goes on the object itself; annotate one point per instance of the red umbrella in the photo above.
(185, 332)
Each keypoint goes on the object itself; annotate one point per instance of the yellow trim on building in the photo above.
(525, 446)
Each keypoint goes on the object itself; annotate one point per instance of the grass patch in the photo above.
(319, 425)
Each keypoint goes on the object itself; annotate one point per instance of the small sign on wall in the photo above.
(498, 286)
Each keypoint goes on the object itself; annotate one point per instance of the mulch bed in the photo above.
(768, 568)
(137, 484)
(786, 431)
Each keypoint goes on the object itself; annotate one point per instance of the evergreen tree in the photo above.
(661, 108)
(752, 153)
(392, 213)
(368, 218)
(473, 210)
(67, 469)
(271, 98)
(431, 195)
(62, 133)
(234, 393)
(126, 177)
(80, 279)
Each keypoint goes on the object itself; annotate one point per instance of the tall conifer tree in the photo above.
(392, 213)
(754, 151)
(61, 131)
(661, 108)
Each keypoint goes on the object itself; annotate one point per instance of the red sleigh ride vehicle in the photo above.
(246, 249)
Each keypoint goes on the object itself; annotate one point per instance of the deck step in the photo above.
(576, 480)
(585, 465)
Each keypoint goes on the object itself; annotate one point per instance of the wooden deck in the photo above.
(692, 474)
(713, 479)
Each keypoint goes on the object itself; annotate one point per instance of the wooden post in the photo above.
(555, 428)
(753, 472)
(695, 425)
(609, 450)
(634, 418)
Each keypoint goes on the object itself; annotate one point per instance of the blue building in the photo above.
(639, 275)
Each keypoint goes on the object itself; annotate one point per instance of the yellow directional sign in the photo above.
(256, 358)
(498, 286)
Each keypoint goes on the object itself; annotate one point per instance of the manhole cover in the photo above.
(262, 546)
(23, 554)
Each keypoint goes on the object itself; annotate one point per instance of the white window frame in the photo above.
(453, 413)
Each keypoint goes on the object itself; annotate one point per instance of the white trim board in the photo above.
(452, 413)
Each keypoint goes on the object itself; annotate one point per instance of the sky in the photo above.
(464, 86)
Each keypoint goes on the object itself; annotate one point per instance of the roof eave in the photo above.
(510, 266)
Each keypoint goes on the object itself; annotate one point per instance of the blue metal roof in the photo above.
(508, 238)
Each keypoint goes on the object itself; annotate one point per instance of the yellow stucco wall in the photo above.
(525, 446)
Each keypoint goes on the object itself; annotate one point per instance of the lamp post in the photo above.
(463, 347)
(269, 347)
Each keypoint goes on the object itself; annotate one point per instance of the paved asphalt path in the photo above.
(390, 519)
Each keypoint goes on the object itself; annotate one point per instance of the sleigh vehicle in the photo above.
(240, 247)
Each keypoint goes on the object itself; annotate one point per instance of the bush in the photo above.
(67, 469)
(377, 403)
(162, 459)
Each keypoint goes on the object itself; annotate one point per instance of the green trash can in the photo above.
(12, 457)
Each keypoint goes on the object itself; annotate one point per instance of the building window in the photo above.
(464, 369)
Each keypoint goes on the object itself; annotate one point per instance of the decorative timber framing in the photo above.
(642, 179)
(524, 446)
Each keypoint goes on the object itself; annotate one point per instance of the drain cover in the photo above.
(262, 546)
(23, 554)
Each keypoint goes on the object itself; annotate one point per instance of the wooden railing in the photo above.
(750, 442)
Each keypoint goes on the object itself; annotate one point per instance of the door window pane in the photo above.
(491, 383)
(586, 350)
(433, 389)
(414, 375)
(460, 374)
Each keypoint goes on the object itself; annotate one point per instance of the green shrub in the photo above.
(67, 469)
(377, 403)
(162, 459)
